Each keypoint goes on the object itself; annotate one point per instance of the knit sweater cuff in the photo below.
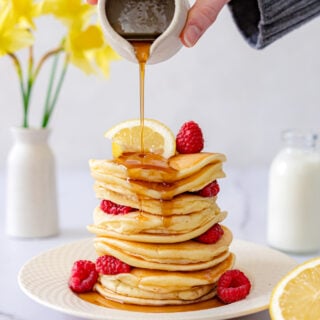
(263, 21)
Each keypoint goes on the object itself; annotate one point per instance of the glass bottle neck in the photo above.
(307, 140)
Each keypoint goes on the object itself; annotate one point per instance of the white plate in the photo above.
(44, 279)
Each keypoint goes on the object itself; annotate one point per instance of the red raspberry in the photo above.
(212, 235)
(210, 190)
(110, 207)
(83, 276)
(189, 139)
(110, 265)
(233, 286)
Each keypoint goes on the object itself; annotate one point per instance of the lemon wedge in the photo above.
(127, 137)
(297, 295)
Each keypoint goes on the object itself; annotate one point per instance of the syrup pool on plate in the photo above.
(98, 300)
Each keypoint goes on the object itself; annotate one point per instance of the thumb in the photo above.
(200, 17)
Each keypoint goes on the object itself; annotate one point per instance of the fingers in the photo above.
(92, 1)
(201, 16)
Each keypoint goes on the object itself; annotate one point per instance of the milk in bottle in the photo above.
(294, 195)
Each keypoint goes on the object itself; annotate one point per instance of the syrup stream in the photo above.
(142, 50)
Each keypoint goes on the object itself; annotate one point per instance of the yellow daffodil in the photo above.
(80, 44)
(70, 12)
(24, 11)
(12, 37)
(103, 57)
(83, 45)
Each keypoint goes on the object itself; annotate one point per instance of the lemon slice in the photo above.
(297, 295)
(157, 138)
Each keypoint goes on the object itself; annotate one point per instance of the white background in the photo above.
(241, 97)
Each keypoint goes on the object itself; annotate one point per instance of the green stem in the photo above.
(24, 95)
(44, 59)
(49, 90)
(52, 101)
(30, 81)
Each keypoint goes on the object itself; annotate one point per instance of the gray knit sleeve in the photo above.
(263, 21)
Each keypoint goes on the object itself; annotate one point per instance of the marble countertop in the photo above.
(243, 194)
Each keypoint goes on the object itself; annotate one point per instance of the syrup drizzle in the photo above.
(142, 51)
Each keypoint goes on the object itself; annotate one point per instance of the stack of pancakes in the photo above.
(157, 238)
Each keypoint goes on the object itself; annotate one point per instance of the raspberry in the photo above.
(189, 139)
(233, 286)
(110, 265)
(83, 276)
(210, 190)
(212, 235)
(110, 207)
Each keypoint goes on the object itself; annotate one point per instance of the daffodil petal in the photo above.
(103, 57)
(19, 39)
(24, 12)
(12, 36)
(70, 12)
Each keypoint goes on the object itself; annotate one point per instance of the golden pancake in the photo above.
(194, 232)
(182, 204)
(184, 256)
(164, 191)
(158, 170)
(142, 222)
(151, 287)
(139, 297)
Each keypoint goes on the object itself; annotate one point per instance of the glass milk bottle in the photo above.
(294, 195)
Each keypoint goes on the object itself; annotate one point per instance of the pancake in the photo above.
(142, 222)
(185, 256)
(182, 166)
(151, 299)
(182, 204)
(163, 190)
(151, 287)
(158, 237)
(103, 231)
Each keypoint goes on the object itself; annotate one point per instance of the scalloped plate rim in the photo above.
(250, 258)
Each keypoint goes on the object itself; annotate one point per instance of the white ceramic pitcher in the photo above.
(164, 47)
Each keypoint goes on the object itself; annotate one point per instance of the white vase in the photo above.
(31, 185)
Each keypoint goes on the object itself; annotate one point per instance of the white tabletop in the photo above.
(243, 194)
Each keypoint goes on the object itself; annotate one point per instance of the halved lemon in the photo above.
(127, 137)
(297, 295)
